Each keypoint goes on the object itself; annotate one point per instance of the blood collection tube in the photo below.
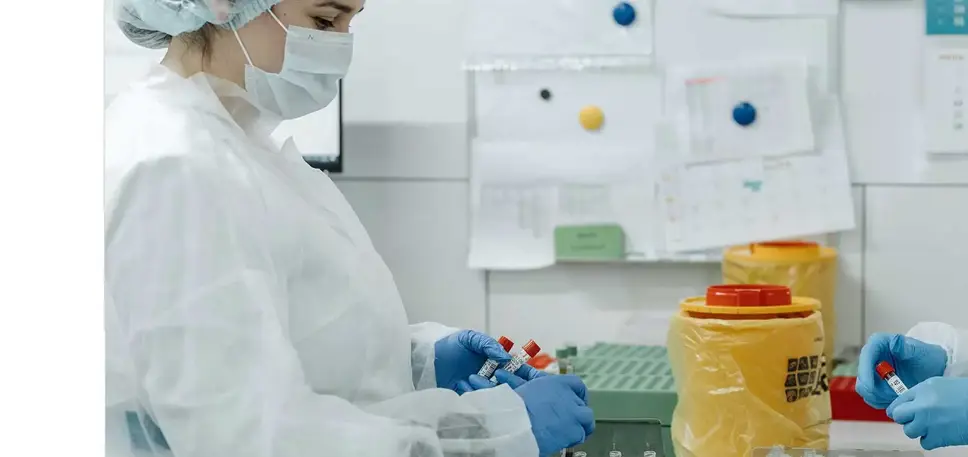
(490, 366)
(887, 373)
(521, 357)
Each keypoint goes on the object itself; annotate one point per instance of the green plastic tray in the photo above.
(633, 395)
(633, 438)
(624, 351)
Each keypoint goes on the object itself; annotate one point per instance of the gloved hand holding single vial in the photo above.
(913, 360)
(886, 371)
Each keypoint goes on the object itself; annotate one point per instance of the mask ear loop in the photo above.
(278, 21)
(239, 39)
(244, 51)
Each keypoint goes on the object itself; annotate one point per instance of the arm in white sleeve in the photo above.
(423, 338)
(199, 302)
(953, 340)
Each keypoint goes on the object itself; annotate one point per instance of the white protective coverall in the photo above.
(247, 312)
(953, 340)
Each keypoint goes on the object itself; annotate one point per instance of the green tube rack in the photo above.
(633, 395)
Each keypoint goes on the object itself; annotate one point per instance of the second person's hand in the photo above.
(913, 360)
(934, 412)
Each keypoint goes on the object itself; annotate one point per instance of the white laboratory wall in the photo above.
(406, 174)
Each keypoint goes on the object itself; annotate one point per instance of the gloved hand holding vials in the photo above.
(520, 357)
(487, 370)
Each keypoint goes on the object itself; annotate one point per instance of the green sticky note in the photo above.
(589, 242)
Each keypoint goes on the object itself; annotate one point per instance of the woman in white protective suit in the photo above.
(247, 312)
(932, 361)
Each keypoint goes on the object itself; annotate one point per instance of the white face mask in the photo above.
(313, 64)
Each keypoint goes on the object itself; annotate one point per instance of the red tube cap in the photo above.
(531, 348)
(505, 343)
(884, 369)
(748, 295)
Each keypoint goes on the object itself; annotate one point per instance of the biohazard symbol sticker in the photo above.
(805, 377)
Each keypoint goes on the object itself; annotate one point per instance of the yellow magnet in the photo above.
(591, 117)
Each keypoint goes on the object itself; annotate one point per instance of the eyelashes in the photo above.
(323, 24)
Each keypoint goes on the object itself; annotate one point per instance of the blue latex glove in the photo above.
(936, 411)
(461, 354)
(914, 361)
(557, 406)
(523, 374)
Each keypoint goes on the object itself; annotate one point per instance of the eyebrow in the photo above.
(338, 5)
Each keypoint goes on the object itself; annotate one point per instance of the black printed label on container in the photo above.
(806, 376)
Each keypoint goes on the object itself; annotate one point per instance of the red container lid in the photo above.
(531, 348)
(748, 295)
(884, 369)
(784, 244)
(505, 343)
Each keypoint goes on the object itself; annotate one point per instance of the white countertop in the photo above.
(881, 436)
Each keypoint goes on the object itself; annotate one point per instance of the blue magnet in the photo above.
(624, 14)
(744, 114)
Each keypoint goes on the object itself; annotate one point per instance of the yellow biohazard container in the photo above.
(808, 269)
(747, 365)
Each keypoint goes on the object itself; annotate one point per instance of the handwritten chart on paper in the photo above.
(740, 201)
(704, 102)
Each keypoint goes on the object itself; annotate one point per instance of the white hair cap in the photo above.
(152, 23)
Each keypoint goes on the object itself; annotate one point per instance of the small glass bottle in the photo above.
(614, 452)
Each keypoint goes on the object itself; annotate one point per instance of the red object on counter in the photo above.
(541, 361)
(846, 404)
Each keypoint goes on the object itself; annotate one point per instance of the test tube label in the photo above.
(511, 366)
(488, 369)
(897, 385)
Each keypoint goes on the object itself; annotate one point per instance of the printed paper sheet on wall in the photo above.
(751, 199)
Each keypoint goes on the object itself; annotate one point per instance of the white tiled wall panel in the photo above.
(880, 78)
(849, 298)
(420, 229)
(916, 257)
